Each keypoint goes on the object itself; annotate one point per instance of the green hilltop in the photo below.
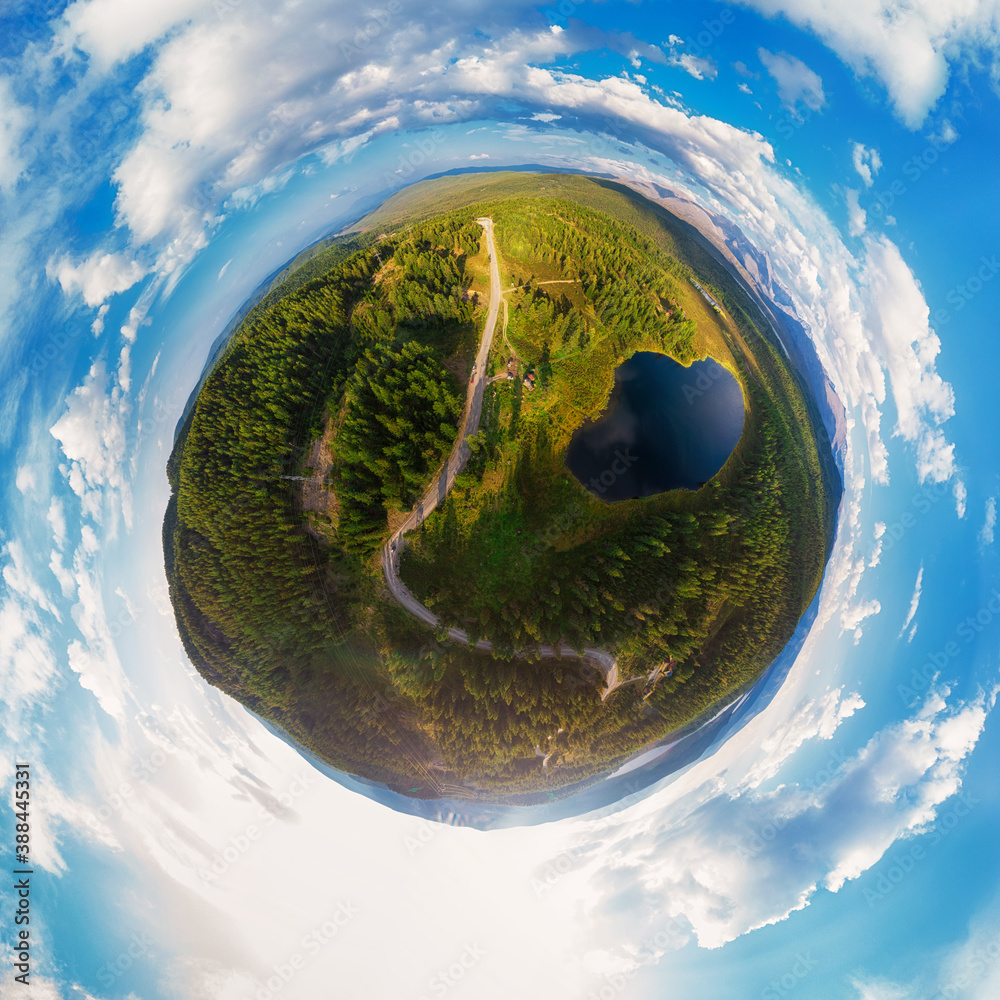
(332, 408)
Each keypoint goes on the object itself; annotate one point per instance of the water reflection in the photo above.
(666, 427)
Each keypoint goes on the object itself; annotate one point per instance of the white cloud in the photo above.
(19, 578)
(96, 278)
(136, 318)
(545, 116)
(110, 31)
(907, 48)
(813, 718)
(914, 601)
(94, 656)
(969, 968)
(726, 861)
(27, 665)
(867, 162)
(879, 989)
(876, 556)
(745, 87)
(852, 616)
(92, 433)
(856, 215)
(57, 521)
(961, 498)
(97, 327)
(796, 81)
(63, 576)
(945, 135)
(700, 67)
(479, 156)
(25, 479)
(96, 676)
(898, 323)
(13, 123)
(989, 524)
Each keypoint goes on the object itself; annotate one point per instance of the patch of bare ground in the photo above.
(315, 496)
(395, 519)
(386, 271)
(460, 366)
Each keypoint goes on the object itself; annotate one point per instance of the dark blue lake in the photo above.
(666, 427)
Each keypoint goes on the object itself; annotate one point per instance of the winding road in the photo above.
(445, 479)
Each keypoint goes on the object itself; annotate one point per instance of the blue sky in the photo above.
(156, 162)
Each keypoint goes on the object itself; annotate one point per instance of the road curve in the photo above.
(445, 479)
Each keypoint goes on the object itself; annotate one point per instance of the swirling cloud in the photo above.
(730, 857)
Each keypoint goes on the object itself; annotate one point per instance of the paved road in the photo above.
(445, 479)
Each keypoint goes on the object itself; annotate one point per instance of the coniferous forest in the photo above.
(333, 406)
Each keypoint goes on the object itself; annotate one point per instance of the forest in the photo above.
(373, 355)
